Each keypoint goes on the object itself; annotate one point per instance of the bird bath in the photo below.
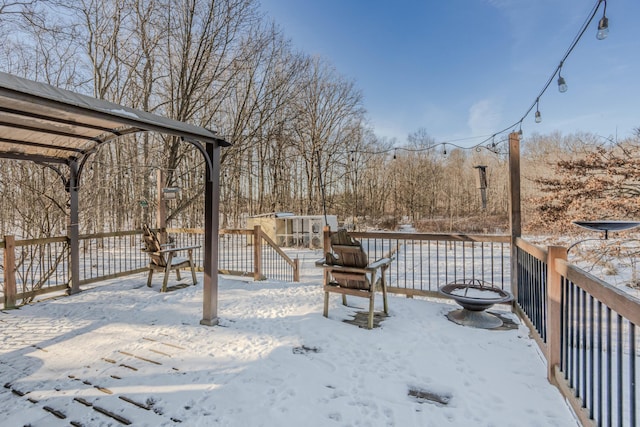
(475, 296)
(605, 226)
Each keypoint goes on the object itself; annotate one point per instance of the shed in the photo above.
(287, 229)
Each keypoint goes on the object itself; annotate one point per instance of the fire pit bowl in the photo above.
(475, 296)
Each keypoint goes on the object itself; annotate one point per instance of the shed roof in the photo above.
(45, 123)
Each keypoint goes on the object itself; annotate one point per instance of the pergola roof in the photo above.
(45, 123)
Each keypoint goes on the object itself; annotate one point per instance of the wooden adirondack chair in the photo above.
(162, 258)
(348, 272)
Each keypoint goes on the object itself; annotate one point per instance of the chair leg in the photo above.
(325, 312)
(149, 277)
(371, 305)
(166, 279)
(178, 274)
(384, 294)
(193, 275)
(344, 299)
(193, 271)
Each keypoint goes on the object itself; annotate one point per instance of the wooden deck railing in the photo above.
(39, 266)
(586, 328)
(423, 262)
(588, 332)
(244, 253)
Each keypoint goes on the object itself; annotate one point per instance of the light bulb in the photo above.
(603, 28)
(562, 84)
(538, 117)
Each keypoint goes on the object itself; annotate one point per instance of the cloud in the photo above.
(484, 117)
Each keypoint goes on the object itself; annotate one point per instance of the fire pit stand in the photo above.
(475, 296)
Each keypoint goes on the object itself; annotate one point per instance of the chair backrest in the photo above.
(152, 246)
(348, 251)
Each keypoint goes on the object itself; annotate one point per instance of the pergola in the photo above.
(54, 127)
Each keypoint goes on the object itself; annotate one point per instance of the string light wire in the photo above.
(535, 104)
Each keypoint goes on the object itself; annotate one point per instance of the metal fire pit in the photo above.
(475, 296)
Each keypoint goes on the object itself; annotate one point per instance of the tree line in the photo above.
(301, 141)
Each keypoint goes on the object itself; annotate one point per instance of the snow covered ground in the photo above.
(122, 352)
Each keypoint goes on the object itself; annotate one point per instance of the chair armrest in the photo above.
(320, 262)
(178, 249)
(379, 263)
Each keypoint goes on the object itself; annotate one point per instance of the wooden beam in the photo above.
(514, 207)
(554, 314)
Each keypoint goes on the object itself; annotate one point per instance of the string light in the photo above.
(603, 24)
(562, 84)
(603, 31)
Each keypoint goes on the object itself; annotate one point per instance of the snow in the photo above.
(481, 294)
(127, 350)
(123, 112)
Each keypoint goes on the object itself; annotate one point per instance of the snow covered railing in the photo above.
(587, 330)
(243, 252)
(38, 266)
(423, 262)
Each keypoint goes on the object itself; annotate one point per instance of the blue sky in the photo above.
(467, 68)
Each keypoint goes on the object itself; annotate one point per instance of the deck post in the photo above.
(554, 315)
(10, 290)
(73, 229)
(514, 207)
(211, 225)
(257, 252)
(296, 270)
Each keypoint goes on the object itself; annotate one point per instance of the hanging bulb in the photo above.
(394, 154)
(603, 28)
(562, 84)
(538, 115)
(445, 150)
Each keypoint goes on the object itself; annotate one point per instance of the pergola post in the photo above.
(161, 212)
(514, 207)
(73, 233)
(211, 224)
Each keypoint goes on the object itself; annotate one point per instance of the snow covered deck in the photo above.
(122, 352)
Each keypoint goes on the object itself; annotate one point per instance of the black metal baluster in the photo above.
(632, 374)
(591, 356)
(600, 354)
(609, 369)
(571, 334)
(578, 336)
(620, 396)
